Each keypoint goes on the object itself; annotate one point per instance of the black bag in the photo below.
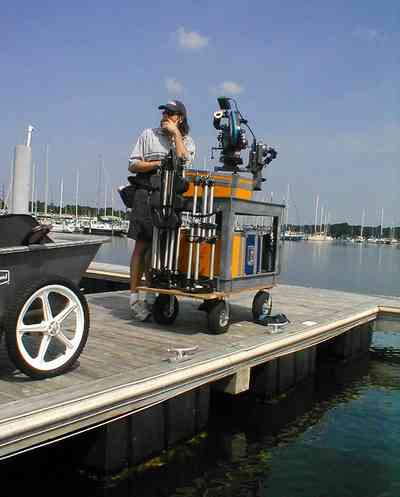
(127, 194)
(276, 320)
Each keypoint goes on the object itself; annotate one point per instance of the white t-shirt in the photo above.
(155, 144)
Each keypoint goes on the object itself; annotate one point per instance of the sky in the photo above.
(318, 80)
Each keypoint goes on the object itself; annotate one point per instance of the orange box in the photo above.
(227, 185)
(205, 255)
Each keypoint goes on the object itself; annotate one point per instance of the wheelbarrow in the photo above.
(44, 316)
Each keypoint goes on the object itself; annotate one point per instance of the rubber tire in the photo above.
(161, 309)
(10, 327)
(214, 318)
(260, 299)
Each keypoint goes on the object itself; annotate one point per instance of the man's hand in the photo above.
(171, 128)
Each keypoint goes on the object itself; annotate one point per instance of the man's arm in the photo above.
(137, 164)
(143, 166)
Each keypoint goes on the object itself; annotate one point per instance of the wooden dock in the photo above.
(127, 367)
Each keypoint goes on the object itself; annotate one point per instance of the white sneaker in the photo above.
(140, 310)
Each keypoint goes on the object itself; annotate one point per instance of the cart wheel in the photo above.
(165, 309)
(218, 318)
(262, 305)
(46, 327)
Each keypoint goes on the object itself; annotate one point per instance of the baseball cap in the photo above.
(174, 106)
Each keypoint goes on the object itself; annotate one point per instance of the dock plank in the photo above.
(126, 365)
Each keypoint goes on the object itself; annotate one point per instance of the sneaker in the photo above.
(140, 311)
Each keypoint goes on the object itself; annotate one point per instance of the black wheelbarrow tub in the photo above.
(65, 258)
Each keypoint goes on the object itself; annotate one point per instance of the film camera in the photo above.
(232, 140)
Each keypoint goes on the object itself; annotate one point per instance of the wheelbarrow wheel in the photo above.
(165, 309)
(46, 327)
(218, 318)
(262, 305)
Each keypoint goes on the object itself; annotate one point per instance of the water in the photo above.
(335, 436)
(342, 266)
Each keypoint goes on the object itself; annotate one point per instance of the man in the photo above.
(152, 146)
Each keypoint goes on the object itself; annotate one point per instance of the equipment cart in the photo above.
(43, 313)
(246, 255)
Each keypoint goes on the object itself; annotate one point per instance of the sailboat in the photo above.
(321, 234)
(360, 238)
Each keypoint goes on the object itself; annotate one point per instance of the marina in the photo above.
(129, 368)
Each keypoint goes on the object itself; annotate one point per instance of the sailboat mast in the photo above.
(316, 214)
(61, 196)
(76, 195)
(46, 181)
(33, 188)
(362, 223)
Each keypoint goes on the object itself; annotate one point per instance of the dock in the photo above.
(129, 368)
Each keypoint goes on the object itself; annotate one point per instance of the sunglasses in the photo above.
(170, 112)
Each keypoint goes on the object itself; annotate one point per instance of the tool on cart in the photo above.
(232, 140)
(167, 205)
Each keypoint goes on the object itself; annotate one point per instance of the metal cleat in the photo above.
(182, 353)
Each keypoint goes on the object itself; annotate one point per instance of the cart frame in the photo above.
(226, 285)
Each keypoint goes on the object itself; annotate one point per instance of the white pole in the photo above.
(76, 196)
(46, 181)
(22, 176)
(321, 218)
(316, 214)
(382, 223)
(325, 221)
(33, 188)
(105, 197)
(362, 223)
(61, 196)
(10, 185)
(112, 202)
(287, 207)
(98, 189)
(29, 136)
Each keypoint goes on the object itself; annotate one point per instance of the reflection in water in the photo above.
(335, 436)
(349, 267)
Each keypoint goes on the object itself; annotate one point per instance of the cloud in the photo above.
(367, 34)
(174, 87)
(191, 40)
(230, 88)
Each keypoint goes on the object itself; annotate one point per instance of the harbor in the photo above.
(129, 369)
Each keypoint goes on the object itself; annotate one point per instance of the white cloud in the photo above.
(174, 87)
(367, 34)
(191, 40)
(230, 88)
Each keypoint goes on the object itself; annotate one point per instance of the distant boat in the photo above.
(319, 237)
(102, 228)
(293, 236)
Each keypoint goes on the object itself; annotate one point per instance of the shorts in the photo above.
(141, 224)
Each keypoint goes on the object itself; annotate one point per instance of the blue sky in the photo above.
(319, 80)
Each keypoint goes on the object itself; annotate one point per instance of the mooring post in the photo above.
(22, 176)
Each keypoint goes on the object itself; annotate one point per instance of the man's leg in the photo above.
(137, 263)
(138, 308)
